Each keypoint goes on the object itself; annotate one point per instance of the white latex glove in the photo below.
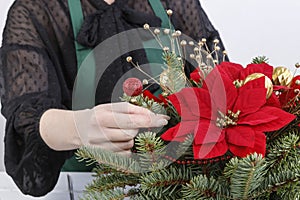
(109, 126)
(113, 126)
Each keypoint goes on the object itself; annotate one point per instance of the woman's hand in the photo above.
(114, 126)
(108, 126)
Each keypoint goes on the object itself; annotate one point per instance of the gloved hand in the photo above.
(114, 126)
(109, 126)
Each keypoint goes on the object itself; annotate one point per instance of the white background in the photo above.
(248, 28)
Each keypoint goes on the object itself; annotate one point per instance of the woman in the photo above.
(38, 71)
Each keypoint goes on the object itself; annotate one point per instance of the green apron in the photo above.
(153, 56)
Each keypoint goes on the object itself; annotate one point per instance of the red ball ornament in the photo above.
(132, 87)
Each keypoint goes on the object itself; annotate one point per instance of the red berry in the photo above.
(132, 87)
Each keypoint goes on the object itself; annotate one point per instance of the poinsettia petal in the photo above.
(256, 118)
(282, 119)
(221, 89)
(208, 132)
(147, 93)
(197, 75)
(169, 134)
(255, 83)
(185, 128)
(162, 99)
(273, 101)
(184, 101)
(175, 102)
(240, 136)
(263, 68)
(180, 131)
(250, 100)
(259, 146)
(204, 104)
(190, 103)
(211, 150)
(231, 70)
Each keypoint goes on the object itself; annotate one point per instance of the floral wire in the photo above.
(146, 74)
(157, 38)
(216, 51)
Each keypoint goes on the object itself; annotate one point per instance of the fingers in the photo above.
(128, 108)
(127, 116)
(121, 135)
(121, 148)
(115, 146)
(132, 121)
(113, 135)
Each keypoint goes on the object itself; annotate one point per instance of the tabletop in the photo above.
(70, 186)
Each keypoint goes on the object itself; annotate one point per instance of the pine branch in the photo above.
(290, 128)
(112, 181)
(292, 192)
(145, 102)
(260, 59)
(282, 151)
(279, 181)
(110, 159)
(115, 194)
(149, 142)
(151, 151)
(245, 175)
(166, 183)
(173, 79)
(100, 170)
(185, 149)
(172, 61)
(202, 187)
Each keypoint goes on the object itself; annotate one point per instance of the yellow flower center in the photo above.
(223, 121)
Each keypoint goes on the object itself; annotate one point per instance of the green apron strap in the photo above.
(84, 88)
(77, 20)
(86, 77)
(152, 48)
(85, 80)
(160, 12)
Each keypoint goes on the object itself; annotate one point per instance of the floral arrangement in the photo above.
(233, 133)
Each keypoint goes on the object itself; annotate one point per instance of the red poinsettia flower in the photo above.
(197, 75)
(236, 72)
(222, 117)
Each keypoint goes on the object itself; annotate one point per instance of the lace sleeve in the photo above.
(194, 22)
(29, 87)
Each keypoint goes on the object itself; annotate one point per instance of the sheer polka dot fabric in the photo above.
(38, 68)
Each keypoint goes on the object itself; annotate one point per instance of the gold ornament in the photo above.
(268, 82)
(282, 76)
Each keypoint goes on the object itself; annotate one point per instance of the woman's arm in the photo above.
(30, 87)
(41, 131)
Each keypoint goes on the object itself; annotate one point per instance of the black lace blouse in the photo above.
(38, 68)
